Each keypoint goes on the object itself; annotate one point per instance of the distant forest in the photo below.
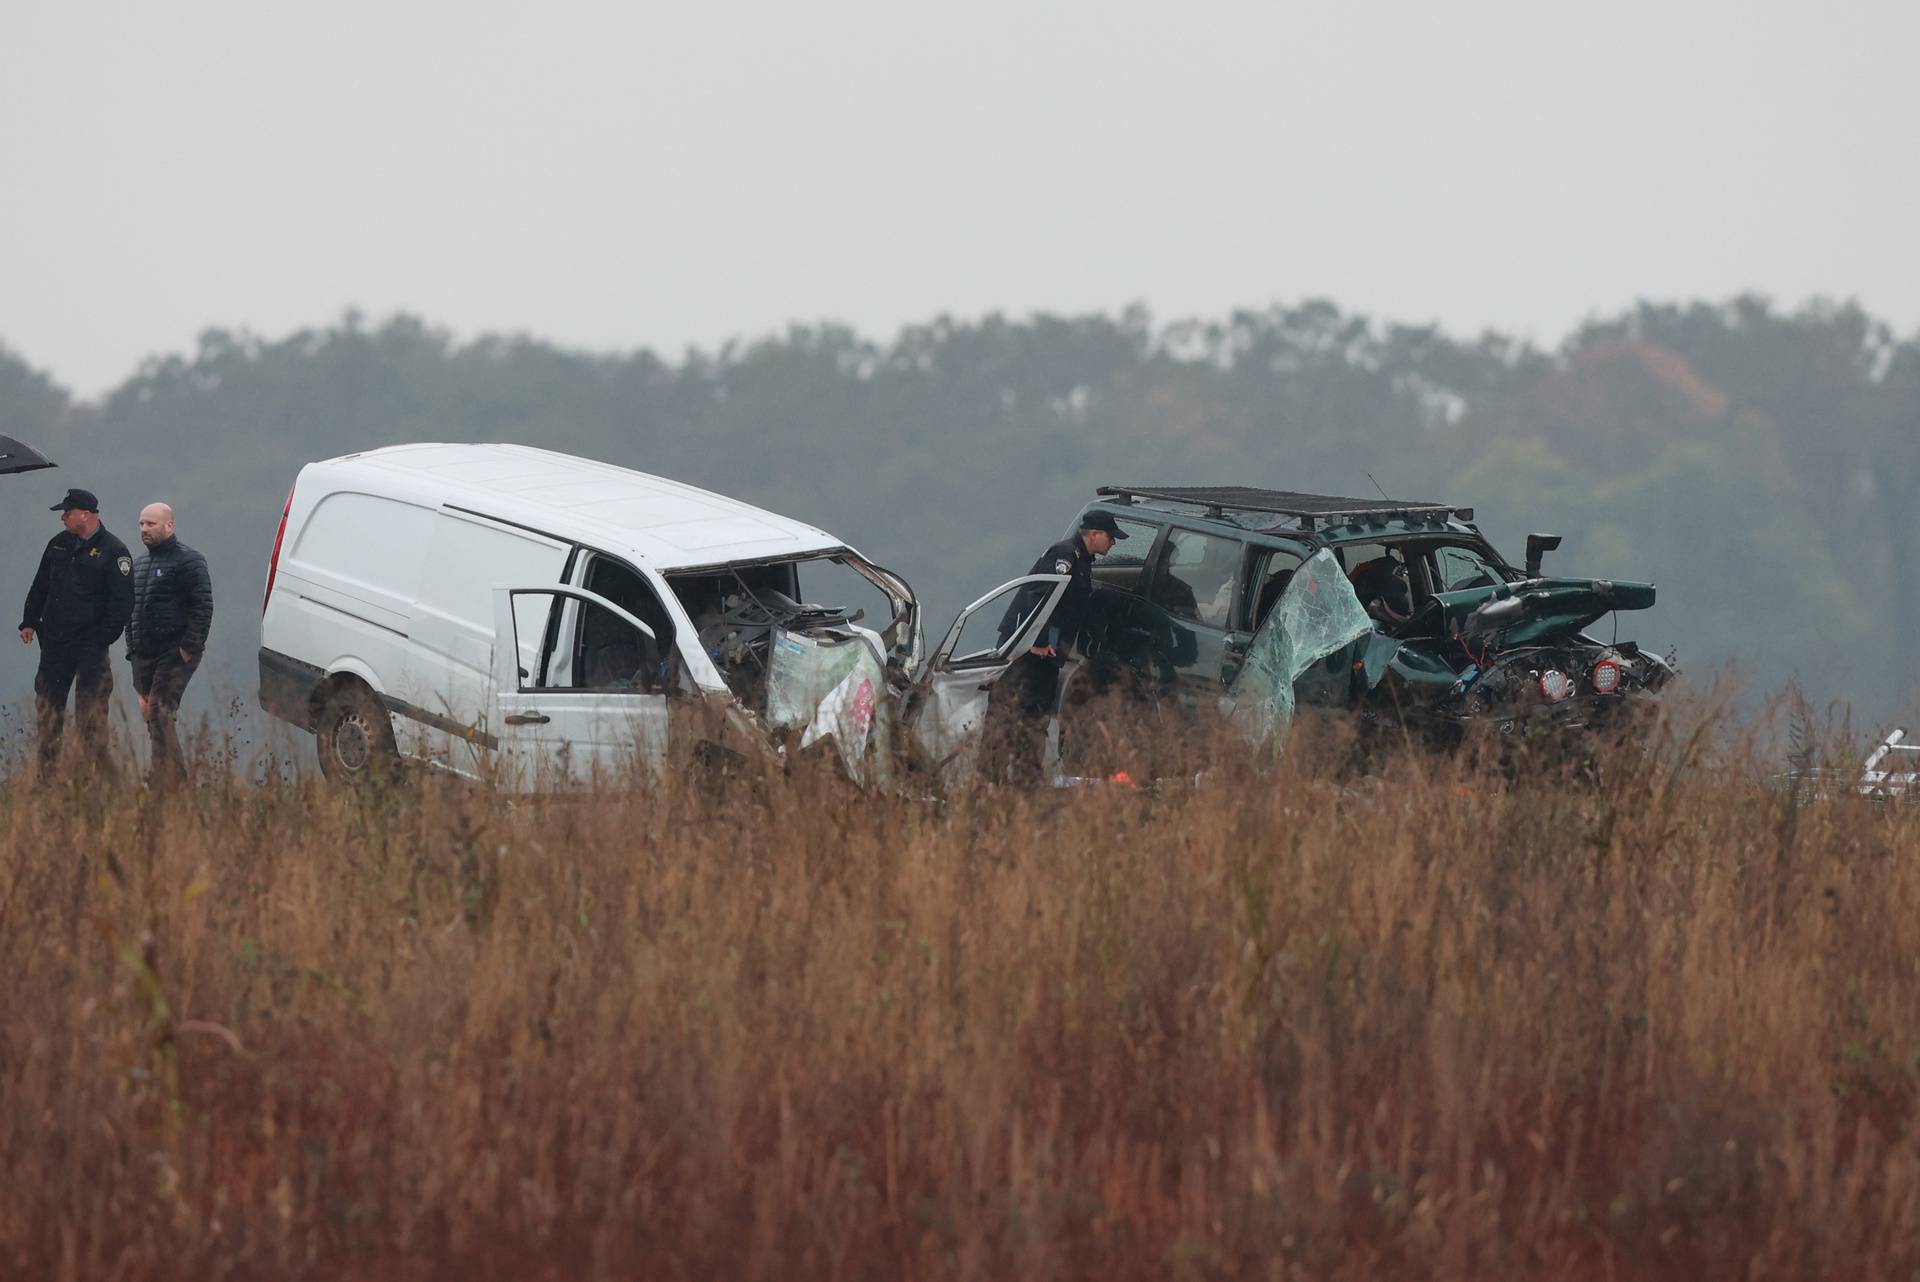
(1761, 465)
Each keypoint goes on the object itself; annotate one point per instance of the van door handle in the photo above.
(528, 719)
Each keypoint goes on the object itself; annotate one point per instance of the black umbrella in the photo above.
(17, 456)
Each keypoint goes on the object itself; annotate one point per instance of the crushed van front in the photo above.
(805, 662)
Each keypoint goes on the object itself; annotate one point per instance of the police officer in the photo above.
(78, 606)
(1032, 684)
(172, 614)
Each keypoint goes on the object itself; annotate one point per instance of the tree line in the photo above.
(1761, 464)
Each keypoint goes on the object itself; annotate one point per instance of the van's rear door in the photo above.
(579, 688)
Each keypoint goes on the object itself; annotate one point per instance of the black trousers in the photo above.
(1022, 702)
(83, 670)
(161, 681)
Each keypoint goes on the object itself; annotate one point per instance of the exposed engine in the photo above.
(740, 636)
(741, 628)
(1565, 684)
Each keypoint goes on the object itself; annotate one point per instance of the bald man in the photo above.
(172, 614)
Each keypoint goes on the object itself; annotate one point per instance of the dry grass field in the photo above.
(1302, 1024)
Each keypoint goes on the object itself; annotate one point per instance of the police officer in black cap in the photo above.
(1031, 687)
(78, 606)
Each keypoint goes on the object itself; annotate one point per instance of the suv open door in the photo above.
(1317, 616)
(948, 712)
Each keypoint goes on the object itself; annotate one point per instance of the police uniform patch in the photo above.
(1063, 567)
(126, 565)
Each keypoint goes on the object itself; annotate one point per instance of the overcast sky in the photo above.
(621, 175)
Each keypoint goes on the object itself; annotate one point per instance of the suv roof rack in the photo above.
(1218, 500)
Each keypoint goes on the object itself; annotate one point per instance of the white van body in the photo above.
(507, 611)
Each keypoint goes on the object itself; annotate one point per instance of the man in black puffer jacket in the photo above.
(172, 614)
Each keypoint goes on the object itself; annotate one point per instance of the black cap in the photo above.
(1103, 522)
(80, 499)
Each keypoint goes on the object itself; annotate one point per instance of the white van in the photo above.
(512, 612)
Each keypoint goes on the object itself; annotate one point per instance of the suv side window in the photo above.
(1196, 577)
(1352, 556)
(1269, 573)
(1125, 567)
(1381, 577)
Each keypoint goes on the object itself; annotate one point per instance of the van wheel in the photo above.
(355, 737)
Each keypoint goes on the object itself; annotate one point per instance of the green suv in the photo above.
(1451, 633)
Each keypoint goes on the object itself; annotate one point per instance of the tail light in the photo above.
(1605, 677)
(273, 562)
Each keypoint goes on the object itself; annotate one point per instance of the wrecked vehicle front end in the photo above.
(854, 684)
(1516, 655)
(1253, 604)
(807, 666)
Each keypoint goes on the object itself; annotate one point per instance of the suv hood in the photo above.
(1534, 610)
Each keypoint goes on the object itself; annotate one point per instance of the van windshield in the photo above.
(758, 619)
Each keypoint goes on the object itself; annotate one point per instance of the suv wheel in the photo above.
(355, 736)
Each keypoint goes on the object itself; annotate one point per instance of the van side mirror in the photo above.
(1538, 545)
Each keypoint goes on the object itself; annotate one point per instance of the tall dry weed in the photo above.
(1651, 1016)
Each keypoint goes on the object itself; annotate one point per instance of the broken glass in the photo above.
(802, 669)
(1379, 651)
(857, 715)
(1317, 615)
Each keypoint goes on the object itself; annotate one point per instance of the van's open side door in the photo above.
(580, 687)
(950, 708)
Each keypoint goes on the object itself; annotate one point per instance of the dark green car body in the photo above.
(1460, 633)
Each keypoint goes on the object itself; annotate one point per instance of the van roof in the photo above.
(666, 523)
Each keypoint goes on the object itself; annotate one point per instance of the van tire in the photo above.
(354, 735)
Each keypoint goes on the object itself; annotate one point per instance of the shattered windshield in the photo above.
(782, 634)
(1457, 568)
(1317, 615)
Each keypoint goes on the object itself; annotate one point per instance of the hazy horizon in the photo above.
(370, 321)
(611, 179)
